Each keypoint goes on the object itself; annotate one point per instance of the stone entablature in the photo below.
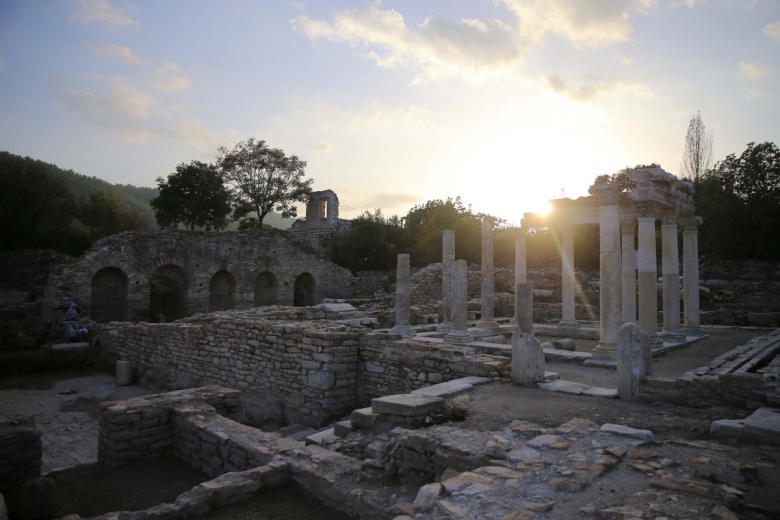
(193, 272)
(305, 366)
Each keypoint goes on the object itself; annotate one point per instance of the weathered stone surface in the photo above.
(567, 344)
(322, 438)
(634, 360)
(527, 359)
(427, 496)
(407, 405)
(445, 390)
(626, 431)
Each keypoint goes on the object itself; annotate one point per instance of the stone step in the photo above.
(322, 438)
(343, 428)
(406, 405)
(363, 418)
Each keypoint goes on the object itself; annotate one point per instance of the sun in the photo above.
(541, 207)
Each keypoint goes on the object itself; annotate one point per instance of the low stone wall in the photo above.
(241, 460)
(20, 452)
(305, 370)
(141, 428)
(735, 378)
(292, 367)
(389, 366)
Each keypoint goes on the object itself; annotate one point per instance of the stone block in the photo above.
(322, 438)
(406, 405)
(527, 359)
(343, 428)
(363, 418)
(445, 390)
(626, 431)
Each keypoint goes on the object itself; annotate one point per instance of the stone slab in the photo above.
(445, 390)
(335, 307)
(765, 420)
(363, 418)
(406, 405)
(343, 428)
(626, 431)
(68, 347)
(322, 438)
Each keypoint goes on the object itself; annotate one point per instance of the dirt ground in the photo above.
(490, 407)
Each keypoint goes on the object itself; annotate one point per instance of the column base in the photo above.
(490, 324)
(604, 355)
(404, 330)
(444, 327)
(458, 337)
(677, 336)
(694, 330)
(569, 324)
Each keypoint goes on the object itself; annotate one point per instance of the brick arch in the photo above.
(222, 291)
(109, 295)
(266, 289)
(305, 290)
(168, 299)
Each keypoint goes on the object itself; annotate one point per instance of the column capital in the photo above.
(669, 219)
(646, 209)
(607, 194)
(691, 224)
(628, 227)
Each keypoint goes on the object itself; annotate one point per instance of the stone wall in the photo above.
(388, 366)
(20, 452)
(294, 365)
(175, 273)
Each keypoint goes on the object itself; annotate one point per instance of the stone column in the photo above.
(459, 304)
(488, 320)
(402, 290)
(648, 271)
(670, 273)
(568, 278)
(611, 312)
(627, 234)
(635, 360)
(691, 326)
(447, 258)
(524, 307)
(521, 265)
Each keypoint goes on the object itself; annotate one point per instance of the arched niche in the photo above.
(266, 289)
(109, 295)
(222, 291)
(305, 290)
(168, 294)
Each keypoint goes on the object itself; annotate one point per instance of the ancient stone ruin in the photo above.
(273, 366)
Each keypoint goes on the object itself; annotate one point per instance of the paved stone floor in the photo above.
(66, 415)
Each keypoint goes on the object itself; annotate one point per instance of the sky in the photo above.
(505, 103)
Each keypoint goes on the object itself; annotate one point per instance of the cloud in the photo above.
(121, 53)
(324, 146)
(101, 11)
(358, 201)
(772, 30)
(170, 77)
(590, 23)
(195, 135)
(593, 88)
(123, 110)
(474, 49)
(754, 70)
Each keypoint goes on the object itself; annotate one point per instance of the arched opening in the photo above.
(304, 290)
(168, 294)
(109, 295)
(222, 292)
(266, 289)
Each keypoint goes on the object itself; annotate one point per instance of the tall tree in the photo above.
(265, 179)
(697, 157)
(739, 201)
(194, 195)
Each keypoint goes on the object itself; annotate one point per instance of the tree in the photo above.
(372, 244)
(697, 157)
(194, 195)
(264, 179)
(739, 201)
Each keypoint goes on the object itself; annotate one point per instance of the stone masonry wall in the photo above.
(308, 369)
(200, 255)
(307, 372)
(20, 452)
(142, 428)
(388, 366)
